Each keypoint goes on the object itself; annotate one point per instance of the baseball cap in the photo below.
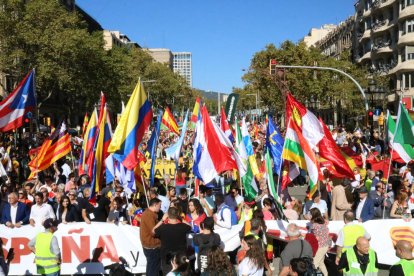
(363, 190)
(48, 223)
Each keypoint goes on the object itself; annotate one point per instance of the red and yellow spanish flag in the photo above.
(169, 121)
(56, 146)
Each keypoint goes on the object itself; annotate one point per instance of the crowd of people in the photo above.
(177, 220)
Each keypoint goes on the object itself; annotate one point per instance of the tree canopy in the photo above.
(326, 86)
(71, 64)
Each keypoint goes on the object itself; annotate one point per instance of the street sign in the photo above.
(377, 112)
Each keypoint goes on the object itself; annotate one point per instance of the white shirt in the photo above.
(226, 221)
(13, 212)
(66, 170)
(40, 213)
(165, 203)
(239, 200)
(246, 267)
(321, 205)
(359, 208)
(357, 181)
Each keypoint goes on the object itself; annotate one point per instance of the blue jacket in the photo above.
(22, 214)
(367, 212)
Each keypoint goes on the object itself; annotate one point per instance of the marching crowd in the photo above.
(177, 220)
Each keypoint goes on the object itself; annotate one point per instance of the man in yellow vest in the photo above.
(359, 260)
(349, 234)
(47, 251)
(404, 251)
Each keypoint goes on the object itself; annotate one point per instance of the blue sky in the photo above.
(222, 35)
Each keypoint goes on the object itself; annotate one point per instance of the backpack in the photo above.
(234, 219)
(310, 267)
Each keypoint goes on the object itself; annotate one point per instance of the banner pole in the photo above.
(388, 179)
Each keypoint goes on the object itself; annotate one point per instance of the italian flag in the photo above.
(246, 174)
(299, 151)
(405, 151)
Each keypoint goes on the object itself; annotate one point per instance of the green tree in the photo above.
(328, 87)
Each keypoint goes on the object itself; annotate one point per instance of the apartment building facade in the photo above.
(384, 42)
(182, 64)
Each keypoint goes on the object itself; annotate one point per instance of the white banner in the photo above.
(87, 248)
(384, 234)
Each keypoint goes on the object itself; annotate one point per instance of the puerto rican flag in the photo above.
(18, 103)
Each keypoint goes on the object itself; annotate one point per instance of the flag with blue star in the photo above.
(274, 142)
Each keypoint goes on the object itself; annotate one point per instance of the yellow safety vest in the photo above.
(407, 266)
(244, 217)
(354, 266)
(351, 233)
(46, 261)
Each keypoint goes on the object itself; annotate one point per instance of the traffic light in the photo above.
(370, 118)
(272, 66)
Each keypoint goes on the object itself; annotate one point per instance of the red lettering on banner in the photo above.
(82, 252)
(20, 248)
(109, 249)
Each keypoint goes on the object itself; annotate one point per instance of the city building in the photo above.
(116, 39)
(316, 34)
(182, 64)
(384, 42)
(338, 39)
(161, 55)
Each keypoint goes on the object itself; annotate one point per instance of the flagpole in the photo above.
(145, 190)
(388, 178)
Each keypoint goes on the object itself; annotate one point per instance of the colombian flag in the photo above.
(135, 119)
(169, 121)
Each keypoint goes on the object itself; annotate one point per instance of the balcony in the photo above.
(383, 69)
(407, 12)
(407, 38)
(382, 47)
(365, 35)
(379, 24)
(377, 4)
(366, 56)
(405, 66)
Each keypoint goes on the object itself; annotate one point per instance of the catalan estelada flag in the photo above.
(88, 142)
(56, 146)
(169, 121)
(100, 151)
(134, 121)
(196, 111)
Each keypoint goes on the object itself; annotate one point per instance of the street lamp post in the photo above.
(255, 94)
(148, 81)
(335, 70)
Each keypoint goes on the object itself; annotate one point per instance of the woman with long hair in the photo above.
(254, 261)
(171, 193)
(218, 263)
(66, 212)
(320, 229)
(400, 206)
(195, 214)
